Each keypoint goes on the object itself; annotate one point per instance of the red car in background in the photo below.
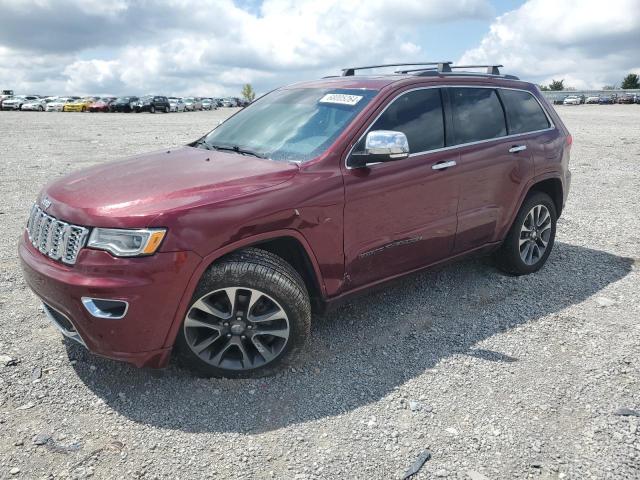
(101, 105)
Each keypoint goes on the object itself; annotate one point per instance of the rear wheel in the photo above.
(166, 109)
(152, 109)
(249, 314)
(531, 238)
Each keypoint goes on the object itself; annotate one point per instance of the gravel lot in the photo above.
(497, 377)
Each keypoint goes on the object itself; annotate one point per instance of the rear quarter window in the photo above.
(477, 115)
(524, 113)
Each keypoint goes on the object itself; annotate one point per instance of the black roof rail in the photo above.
(442, 66)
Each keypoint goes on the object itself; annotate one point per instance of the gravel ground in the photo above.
(497, 377)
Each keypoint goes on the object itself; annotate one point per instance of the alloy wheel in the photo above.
(535, 234)
(237, 328)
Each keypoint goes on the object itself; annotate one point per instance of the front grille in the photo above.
(54, 238)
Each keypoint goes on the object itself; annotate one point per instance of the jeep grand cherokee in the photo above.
(220, 250)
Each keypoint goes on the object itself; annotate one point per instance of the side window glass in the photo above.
(417, 114)
(523, 112)
(477, 114)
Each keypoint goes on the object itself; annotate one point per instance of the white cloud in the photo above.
(586, 43)
(178, 46)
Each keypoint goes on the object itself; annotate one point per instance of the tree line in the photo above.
(629, 82)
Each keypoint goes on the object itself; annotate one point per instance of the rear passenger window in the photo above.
(417, 114)
(524, 113)
(477, 114)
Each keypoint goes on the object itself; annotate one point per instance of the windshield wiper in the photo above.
(202, 143)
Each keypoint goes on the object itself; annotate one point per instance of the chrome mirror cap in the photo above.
(387, 143)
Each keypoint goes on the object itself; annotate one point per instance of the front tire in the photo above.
(152, 109)
(531, 237)
(249, 314)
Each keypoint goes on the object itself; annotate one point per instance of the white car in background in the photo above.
(57, 104)
(34, 105)
(593, 99)
(176, 104)
(16, 102)
(571, 100)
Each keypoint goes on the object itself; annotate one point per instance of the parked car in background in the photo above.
(80, 105)
(57, 104)
(605, 100)
(101, 105)
(229, 102)
(36, 105)
(176, 104)
(153, 104)
(207, 104)
(637, 100)
(219, 251)
(192, 104)
(16, 102)
(627, 98)
(572, 100)
(124, 104)
(593, 99)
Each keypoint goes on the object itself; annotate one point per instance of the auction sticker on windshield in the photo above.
(341, 98)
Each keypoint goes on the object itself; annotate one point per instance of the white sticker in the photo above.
(341, 99)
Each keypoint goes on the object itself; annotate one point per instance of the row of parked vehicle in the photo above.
(147, 103)
(628, 98)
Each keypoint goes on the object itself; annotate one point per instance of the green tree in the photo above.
(556, 85)
(247, 93)
(631, 81)
(544, 88)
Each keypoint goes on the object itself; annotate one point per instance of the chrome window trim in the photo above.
(552, 126)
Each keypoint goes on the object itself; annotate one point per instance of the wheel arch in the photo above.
(288, 244)
(552, 187)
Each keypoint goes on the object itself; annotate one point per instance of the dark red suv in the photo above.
(219, 251)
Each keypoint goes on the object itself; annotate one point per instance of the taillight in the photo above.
(569, 140)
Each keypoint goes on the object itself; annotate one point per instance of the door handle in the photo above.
(517, 148)
(443, 165)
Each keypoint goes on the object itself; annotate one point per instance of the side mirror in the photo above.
(381, 146)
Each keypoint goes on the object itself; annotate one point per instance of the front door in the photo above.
(401, 215)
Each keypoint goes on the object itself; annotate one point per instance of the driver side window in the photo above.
(418, 114)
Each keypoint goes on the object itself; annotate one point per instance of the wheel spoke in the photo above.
(206, 343)
(194, 323)
(233, 299)
(205, 307)
(266, 317)
(246, 359)
(263, 349)
(277, 332)
(217, 359)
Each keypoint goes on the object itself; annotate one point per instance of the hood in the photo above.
(134, 192)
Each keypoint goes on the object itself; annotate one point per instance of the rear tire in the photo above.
(239, 299)
(152, 109)
(531, 237)
(166, 109)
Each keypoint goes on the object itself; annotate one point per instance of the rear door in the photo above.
(494, 167)
(401, 215)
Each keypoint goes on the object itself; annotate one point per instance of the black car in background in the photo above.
(124, 104)
(153, 104)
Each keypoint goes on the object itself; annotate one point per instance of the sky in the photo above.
(213, 47)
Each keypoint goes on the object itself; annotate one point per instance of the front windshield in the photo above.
(295, 124)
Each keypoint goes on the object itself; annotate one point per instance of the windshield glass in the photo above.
(295, 124)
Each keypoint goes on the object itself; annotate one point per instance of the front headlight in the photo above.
(127, 243)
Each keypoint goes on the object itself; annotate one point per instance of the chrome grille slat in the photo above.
(54, 238)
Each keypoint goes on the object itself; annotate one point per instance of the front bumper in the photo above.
(153, 287)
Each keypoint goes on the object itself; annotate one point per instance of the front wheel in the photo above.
(152, 109)
(531, 237)
(166, 109)
(249, 314)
